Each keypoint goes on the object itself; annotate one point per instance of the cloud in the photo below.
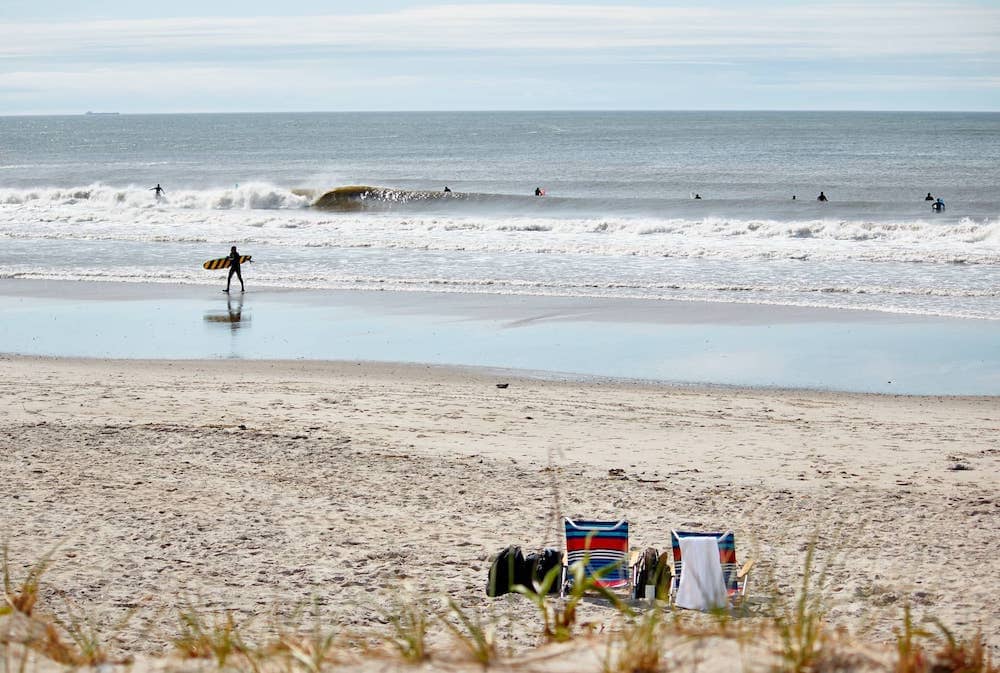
(747, 30)
(495, 55)
(897, 83)
(191, 80)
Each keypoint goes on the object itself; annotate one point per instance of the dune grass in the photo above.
(22, 596)
(409, 631)
(797, 627)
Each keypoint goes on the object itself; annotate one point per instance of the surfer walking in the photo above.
(158, 191)
(234, 267)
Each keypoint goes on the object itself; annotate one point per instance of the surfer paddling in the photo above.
(158, 190)
(234, 267)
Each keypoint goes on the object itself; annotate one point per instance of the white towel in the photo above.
(702, 586)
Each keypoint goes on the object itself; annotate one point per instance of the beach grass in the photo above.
(409, 623)
(22, 596)
(471, 632)
(794, 637)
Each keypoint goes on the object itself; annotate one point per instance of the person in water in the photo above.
(697, 196)
(158, 190)
(821, 197)
(447, 189)
(234, 267)
(928, 197)
(938, 206)
(539, 191)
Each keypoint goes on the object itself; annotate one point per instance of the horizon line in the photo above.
(101, 113)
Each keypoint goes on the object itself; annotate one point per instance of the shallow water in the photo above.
(619, 339)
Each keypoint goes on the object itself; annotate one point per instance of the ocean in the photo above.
(618, 218)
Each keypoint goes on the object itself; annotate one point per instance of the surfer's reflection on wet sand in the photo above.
(233, 315)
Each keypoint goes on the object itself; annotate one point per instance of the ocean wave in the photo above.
(250, 196)
(264, 213)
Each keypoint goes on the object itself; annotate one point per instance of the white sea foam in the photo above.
(263, 213)
(251, 196)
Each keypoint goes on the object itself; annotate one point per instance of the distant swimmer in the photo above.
(793, 197)
(928, 197)
(539, 191)
(821, 197)
(158, 190)
(447, 189)
(938, 206)
(234, 267)
(697, 196)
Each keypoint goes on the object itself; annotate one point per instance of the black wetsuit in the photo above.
(234, 268)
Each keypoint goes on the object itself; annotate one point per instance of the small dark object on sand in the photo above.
(959, 467)
(502, 385)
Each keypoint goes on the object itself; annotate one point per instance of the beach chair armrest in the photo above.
(745, 570)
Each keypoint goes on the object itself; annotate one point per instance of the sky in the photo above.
(67, 56)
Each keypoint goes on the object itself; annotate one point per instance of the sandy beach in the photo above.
(256, 486)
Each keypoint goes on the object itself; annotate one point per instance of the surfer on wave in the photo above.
(158, 190)
(234, 267)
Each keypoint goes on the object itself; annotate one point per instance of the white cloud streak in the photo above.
(753, 30)
(193, 81)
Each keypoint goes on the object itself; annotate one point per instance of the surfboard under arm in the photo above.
(222, 262)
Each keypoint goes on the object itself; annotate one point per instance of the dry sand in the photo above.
(257, 486)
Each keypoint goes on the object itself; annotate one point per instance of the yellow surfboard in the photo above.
(222, 262)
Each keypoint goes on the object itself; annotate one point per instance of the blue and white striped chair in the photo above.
(602, 546)
(735, 577)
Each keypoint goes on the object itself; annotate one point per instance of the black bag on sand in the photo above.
(525, 574)
(543, 563)
(645, 571)
(507, 566)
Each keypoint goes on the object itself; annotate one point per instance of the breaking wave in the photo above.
(251, 196)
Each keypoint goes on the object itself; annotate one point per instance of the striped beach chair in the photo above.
(602, 546)
(735, 577)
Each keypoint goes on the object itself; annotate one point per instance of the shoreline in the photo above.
(659, 310)
(668, 342)
(483, 374)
